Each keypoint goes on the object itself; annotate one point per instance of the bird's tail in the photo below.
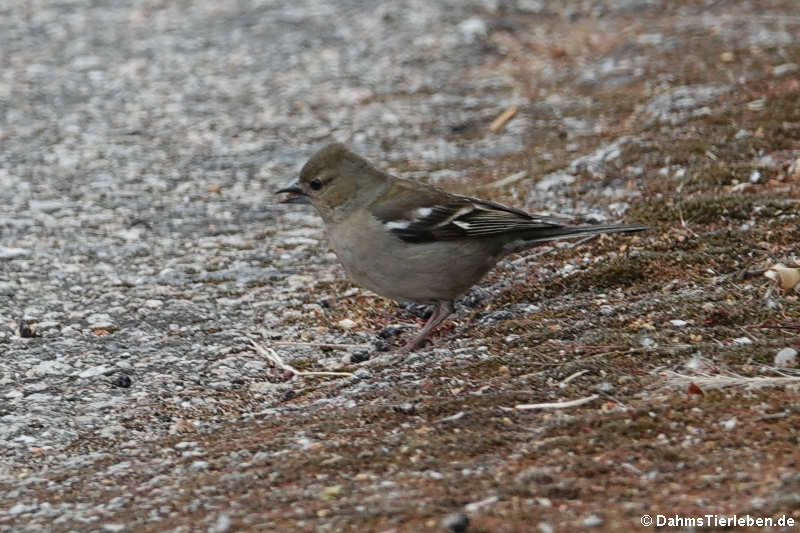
(554, 233)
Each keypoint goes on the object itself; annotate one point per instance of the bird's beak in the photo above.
(295, 194)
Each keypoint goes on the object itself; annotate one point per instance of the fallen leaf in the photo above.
(694, 389)
(716, 317)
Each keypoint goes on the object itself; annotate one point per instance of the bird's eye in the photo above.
(316, 184)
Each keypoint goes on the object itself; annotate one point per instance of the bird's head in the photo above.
(335, 181)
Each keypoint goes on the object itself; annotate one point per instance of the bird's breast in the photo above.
(422, 272)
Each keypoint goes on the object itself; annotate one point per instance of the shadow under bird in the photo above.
(413, 242)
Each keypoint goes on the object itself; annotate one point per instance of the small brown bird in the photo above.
(412, 242)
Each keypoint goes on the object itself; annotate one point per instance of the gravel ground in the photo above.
(141, 245)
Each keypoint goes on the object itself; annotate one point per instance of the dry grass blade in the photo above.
(729, 379)
(508, 180)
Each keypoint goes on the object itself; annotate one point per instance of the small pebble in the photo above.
(382, 346)
(26, 332)
(122, 381)
(592, 521)
(535, 474)
(363, 373)
(94, 371)
(359, 357)
(20, 508)
(223, 524)
(390, 331)
(332, 492)
(456, 522)
(786, 357)
(13, 253)
(346, 323)
(199, 466)
(288, 395)
(604, 386)
(407, 408)
(475, 296)
(419, 310)
(100, 321)
(473, 29)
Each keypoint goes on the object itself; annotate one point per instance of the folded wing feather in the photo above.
(427, 215)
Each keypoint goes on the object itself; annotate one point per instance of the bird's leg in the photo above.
(440, 312)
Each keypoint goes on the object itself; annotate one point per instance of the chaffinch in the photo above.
(413, 242)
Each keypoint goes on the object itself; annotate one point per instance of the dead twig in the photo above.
(498, 123)
(563, 382)
(273, 357)
(558, 405)
(452, 418)
(321, 345)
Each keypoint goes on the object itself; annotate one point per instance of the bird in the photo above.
(413, 242)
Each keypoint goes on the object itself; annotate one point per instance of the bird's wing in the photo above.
(417, 214)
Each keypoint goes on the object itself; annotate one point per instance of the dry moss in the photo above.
(715, 210)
